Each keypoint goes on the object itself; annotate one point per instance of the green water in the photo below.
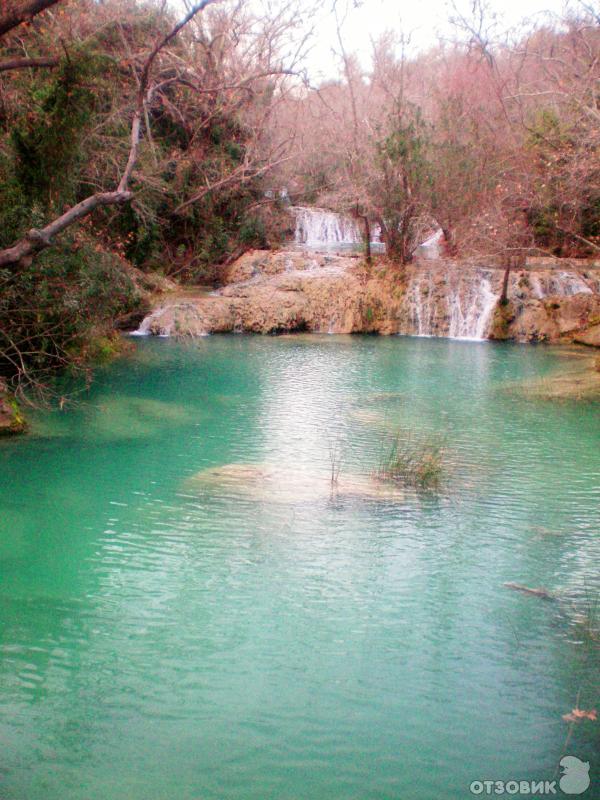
(167, 639)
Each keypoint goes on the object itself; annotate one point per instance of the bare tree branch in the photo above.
(37, 240)
(27, 63)
(13, 17)
(579, 238)
(241, 174)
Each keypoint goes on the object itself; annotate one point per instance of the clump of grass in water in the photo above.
(413, 463)
(586, 617)
(335, 459)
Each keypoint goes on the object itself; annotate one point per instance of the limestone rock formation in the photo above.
(297, 290)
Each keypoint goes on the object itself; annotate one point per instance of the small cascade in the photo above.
(471, 304)
(420, 303)
(317, 228)
(563, 283)
(176, 319)
(321, 229)
(147, 326)
(457, 304)
(431, 248)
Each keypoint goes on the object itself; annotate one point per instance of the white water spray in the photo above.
(318, 227)
(460, 306)
(147, 325)
(564, 284)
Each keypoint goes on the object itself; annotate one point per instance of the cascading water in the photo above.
(146, 327)
(167, 321)
(471, 308)
(321, 229)
(439, 297)
(431, 248)
(564, 284)
(459, 302)
(317, 227)
(456, 303)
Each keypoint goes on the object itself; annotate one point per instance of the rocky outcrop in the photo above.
(281, 292)
(11, 419)
(555, 318)
(549, 304)
(294, 290)
(590, 336)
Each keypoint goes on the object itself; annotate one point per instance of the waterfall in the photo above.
(431, 248)
(318, 227)
(420, 305)
(456, 303)
(471, 306)
(147, 325)
(172, 319)
(321, 229)
(563, 283)
(459, 302)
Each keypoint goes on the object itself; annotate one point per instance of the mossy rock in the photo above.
(504, 314)
(12, 420)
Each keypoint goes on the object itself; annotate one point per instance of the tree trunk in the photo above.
(367, 239)
(450, 241)
(407, 252)
(367, 223)
(384, 233)
(27, 63)
(504, 293)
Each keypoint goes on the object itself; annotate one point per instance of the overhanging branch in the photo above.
(27, 63)
(25, 11)
(40, 239)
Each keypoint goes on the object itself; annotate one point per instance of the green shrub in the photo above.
(47, 140)
(53, 311)
(252, 232)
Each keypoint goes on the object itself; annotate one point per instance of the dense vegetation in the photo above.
(495, 140)
(197, 186)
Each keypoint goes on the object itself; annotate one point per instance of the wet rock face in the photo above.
(555, 318)
(11, 419)
(550, 306)
(279, 292)
(287, 291)
(591, 337)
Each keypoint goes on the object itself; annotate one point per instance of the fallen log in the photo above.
(518, 587)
